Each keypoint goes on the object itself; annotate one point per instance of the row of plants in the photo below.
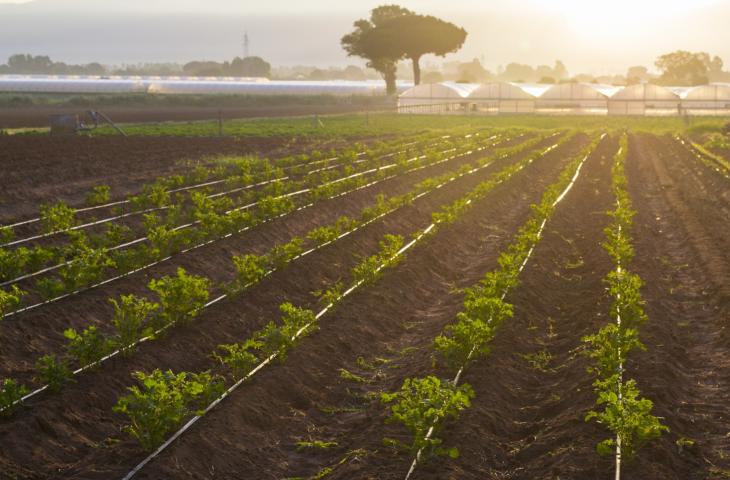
(619, 406)
(423, 405)
(138, 319)
(244, 359)
(90, 262)
(235, 173)
(712, 160)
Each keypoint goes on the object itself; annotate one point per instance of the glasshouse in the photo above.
(445, 97)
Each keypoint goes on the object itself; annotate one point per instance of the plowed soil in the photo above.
(532, 391)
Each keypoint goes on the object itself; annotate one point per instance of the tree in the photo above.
(687, 68)
(418, 35)
(637, 74)
(473, 72)
(369, 41)
(250, 67)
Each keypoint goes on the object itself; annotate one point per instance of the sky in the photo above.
(589, 36)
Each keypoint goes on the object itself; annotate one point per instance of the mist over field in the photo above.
(590, 36)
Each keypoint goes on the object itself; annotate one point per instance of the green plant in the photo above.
(238, 357)
(87, 267)
(9, 300)
(280, 255)
(423, 403)
(181, 296)
(11, 394)
(273, 339)
(131, 314)
(88, 346)
(315, 444)
(57, 217)
(162, 401)
(99, 195)
(250, 269)
(50, 287)
(628, 417)
(52, 372)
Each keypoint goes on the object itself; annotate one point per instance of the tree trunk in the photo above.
(416, 70)
(390, 88)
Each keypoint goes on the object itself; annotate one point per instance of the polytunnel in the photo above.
(713, 99)
(266, 87)
(576, 98)
(436, 98)
(506, 97)
(69, 85)
(644, 98)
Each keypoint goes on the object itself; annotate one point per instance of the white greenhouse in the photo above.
(446, 97)
(576, 98)
(643, 99)
(506, 97)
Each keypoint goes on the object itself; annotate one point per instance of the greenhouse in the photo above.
(506, 97)
(446, 97)
(576, 98)
(713, 99)
(644, 99)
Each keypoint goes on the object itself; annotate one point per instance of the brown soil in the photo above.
(68, 432)
(37, 116)
(41, 169)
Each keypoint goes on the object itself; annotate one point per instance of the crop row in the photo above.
(139, 320)
(618, 405)
(422, 405)
(274, 340)
(90, 264)
(711, 160)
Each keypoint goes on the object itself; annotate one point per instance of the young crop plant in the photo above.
(10, 299)
(250, 269)
(57, 217)
(131, 317)
(424, 403)
(239, 357)
(11, 393)
(52, 372)
(181, 296)
(87, 267)
(88, 346)
(368, 270)
(162, 401)
(281, 255)
(273, 339)
(99, 195)
(618, 405)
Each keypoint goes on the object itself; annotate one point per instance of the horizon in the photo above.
(81, 31)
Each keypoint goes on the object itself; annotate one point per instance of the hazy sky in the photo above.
(587, 35)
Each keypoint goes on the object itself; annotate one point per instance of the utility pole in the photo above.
(245, 44)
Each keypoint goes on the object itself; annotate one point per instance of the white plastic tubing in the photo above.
(421, 235)
(457, 377)
(189, 187)
(156, 333)
(109, 280)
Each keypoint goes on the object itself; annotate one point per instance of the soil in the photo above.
(70, 432)
(527, 419)
(41, 169)
(38, 116)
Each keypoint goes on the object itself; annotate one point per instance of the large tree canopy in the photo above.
(418, 35)
(370, 41)
(393, 33)
(687, 68)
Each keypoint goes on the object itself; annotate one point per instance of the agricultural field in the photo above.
(367, 296)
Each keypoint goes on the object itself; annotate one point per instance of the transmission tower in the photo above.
(245, 44)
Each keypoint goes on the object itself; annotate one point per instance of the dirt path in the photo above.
(685, 369)
(67, 432)
(395, 320)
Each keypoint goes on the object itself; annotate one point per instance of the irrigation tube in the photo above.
(431, 429)
(157, 332)
(165, 207)
(710, 160)
(245, 207)
(194, 247)
(188, 187)
(423, 233)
